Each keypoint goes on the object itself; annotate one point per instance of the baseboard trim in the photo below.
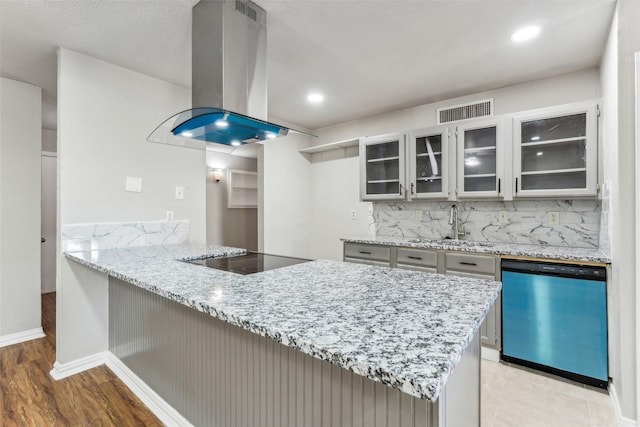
(621, 420)
(490, 354)
(165, 412)
(64, 370)
(23, 336)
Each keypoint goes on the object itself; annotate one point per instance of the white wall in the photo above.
(20, 139)
(624, 221)
(236, 227)
(284, 187)
(335, 182)
(105, 113)
(609, 153)
(49, 140)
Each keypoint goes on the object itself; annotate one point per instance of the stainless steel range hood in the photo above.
(229, 80)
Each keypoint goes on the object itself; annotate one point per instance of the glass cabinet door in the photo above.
(382, 167)
(428, 163)
(555, 153)
(479, 159)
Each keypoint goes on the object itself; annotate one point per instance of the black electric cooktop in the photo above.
(251, 262)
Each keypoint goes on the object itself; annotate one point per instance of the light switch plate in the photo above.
(169, 215)
(179, 192)
(133, 184)
(554, 218)
(354, 214)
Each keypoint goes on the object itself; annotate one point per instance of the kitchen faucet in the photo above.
(454, 220)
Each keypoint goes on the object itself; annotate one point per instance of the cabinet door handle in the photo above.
(467, 263)
(414, 257)
(400, 189)
(365, 252)
(516, 185)
(499, 186)
(412, 192)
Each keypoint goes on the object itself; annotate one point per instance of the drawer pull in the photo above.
(414, 257)
(365, 252)
(467, 263)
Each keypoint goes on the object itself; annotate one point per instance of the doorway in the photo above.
(48, 222)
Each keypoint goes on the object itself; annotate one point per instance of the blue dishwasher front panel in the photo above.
(557, 322)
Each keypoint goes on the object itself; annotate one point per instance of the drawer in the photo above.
(417, 257)
(372, 252)
(417, 268)
(367, 262)
(471, 263)
(471, 275)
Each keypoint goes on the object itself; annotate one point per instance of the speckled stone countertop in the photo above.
(403, 328)
(503, 249)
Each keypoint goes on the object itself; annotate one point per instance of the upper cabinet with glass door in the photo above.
(479, 159)
(428, 161)
(555, 151)
(382, 167)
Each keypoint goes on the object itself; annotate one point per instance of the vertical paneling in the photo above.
(216, 374)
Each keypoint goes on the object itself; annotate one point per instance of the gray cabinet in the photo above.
(429, 163)
(382, 167)
(417, 259)
(480, 267)
(367, 254)
(555, 151)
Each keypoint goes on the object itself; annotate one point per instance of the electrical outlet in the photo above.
(354, 214)
(179, 192)
(169, 215)
(503, 217)
(133, 184)
(554, 218)
(418, 215)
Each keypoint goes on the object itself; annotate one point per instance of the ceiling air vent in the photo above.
(473, 110)
(245, 9)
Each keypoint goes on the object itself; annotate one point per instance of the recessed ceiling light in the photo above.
(186, 134)
(221, 123)
(315, 97)
(235, 143)
(526, 33)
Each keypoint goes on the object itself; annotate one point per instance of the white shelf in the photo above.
(331, 146)
(242, 189)
(435, 153)
(382, 159)
(477, 149)
(431, 178)
(553, 141)
(555, 171)
(381, 181)
(480, 175)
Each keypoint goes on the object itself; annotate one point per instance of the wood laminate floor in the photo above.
(30, 397)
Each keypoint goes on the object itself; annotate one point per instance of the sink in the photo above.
(450, 242)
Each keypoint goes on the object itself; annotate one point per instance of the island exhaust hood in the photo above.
(229, 80)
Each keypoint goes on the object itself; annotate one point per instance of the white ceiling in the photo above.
(368, 57)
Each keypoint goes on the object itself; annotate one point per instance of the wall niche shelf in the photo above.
(242, 189)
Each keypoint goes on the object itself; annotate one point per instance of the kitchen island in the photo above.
(318, 343)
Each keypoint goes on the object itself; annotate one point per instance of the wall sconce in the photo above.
(217, 174)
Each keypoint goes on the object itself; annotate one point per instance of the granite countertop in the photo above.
(503, 249)
(402, 328)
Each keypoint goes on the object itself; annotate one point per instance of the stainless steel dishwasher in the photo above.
(554, 318)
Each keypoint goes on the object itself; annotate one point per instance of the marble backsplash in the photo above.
(84, 237)
(527, 221)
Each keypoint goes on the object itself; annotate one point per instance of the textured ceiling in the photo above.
(367, 57)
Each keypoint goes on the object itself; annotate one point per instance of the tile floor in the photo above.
(515, 397)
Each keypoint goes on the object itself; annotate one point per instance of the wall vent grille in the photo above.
(458, 113)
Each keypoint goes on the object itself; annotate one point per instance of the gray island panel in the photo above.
(404, 329)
